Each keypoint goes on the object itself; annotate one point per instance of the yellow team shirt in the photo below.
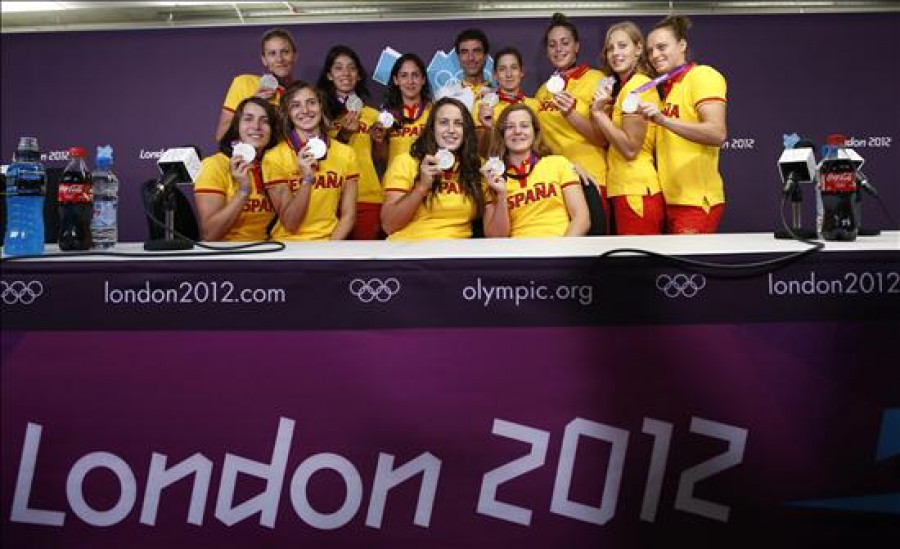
(560, 136)
(361, 143)
(536, 204)
(636, 177)
(321, 217)
(449, 214)
(402, 138)
(244, 86)
(688, 171)
(502, 104)
(215, 178)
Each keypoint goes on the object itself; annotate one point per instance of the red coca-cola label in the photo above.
(75, 193)
(838, 182)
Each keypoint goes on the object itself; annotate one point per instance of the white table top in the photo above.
(715, 244)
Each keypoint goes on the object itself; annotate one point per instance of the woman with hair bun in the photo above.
(564, 103)
(691, 129)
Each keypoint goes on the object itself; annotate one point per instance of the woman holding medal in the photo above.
(229, 193)
(691, 129)
(535, 194)
(565, 101)
(343, 79)
(408, 100)
(278, 56)
(631, 181)
(436, 190)
(508, 72)
(314, 188)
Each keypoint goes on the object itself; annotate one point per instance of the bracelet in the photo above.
(309, 179)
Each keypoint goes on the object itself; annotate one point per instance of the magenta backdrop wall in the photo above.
(146, 90)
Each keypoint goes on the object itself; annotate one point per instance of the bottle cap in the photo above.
(445, 159)
(28, 144)
(76, 151)
(105, 153)
(837, 139)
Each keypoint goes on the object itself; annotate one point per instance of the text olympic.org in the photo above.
(517, 293)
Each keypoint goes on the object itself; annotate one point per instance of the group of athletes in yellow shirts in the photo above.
(301, 161)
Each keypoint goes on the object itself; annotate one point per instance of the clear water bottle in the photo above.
(76, 204)
(104, 223)
(26, 186)
(837, 189)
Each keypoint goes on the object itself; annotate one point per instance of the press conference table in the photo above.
(529, 393)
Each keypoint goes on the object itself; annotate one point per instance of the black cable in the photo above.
(248, 248)
(730, 270)
(885, 210)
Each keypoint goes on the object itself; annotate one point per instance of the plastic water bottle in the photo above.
(26, 185)
(75, 204)
(838, 188)
(104, 223)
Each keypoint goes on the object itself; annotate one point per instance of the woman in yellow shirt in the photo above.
(537, 194)
(314, 187)
(564, 112)
(631, 180)
(343, 80)
(408, 99)
(229, 193)
(691, 129)
(436, 190)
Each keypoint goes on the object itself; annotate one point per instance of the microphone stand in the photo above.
(169, 241)
(797, 231)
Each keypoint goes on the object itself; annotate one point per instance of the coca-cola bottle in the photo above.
(837, 189)
(76, 204)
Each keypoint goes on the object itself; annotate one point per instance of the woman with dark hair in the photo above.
(691, 129)
(408, 99)
(565, 100)
(631, 181)
(343, 80)
(314, 191)
(538, 194)
(436, 190)
(229, 193)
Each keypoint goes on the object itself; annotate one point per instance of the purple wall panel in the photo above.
(146, 90)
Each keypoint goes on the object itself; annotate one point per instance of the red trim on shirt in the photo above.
(705, 99)
(666, 86)
(575, 72)
(512, 99)
(210, 191)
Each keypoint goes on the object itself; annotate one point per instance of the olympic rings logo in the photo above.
(374, 289)
(680, 285)
(17, 291)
